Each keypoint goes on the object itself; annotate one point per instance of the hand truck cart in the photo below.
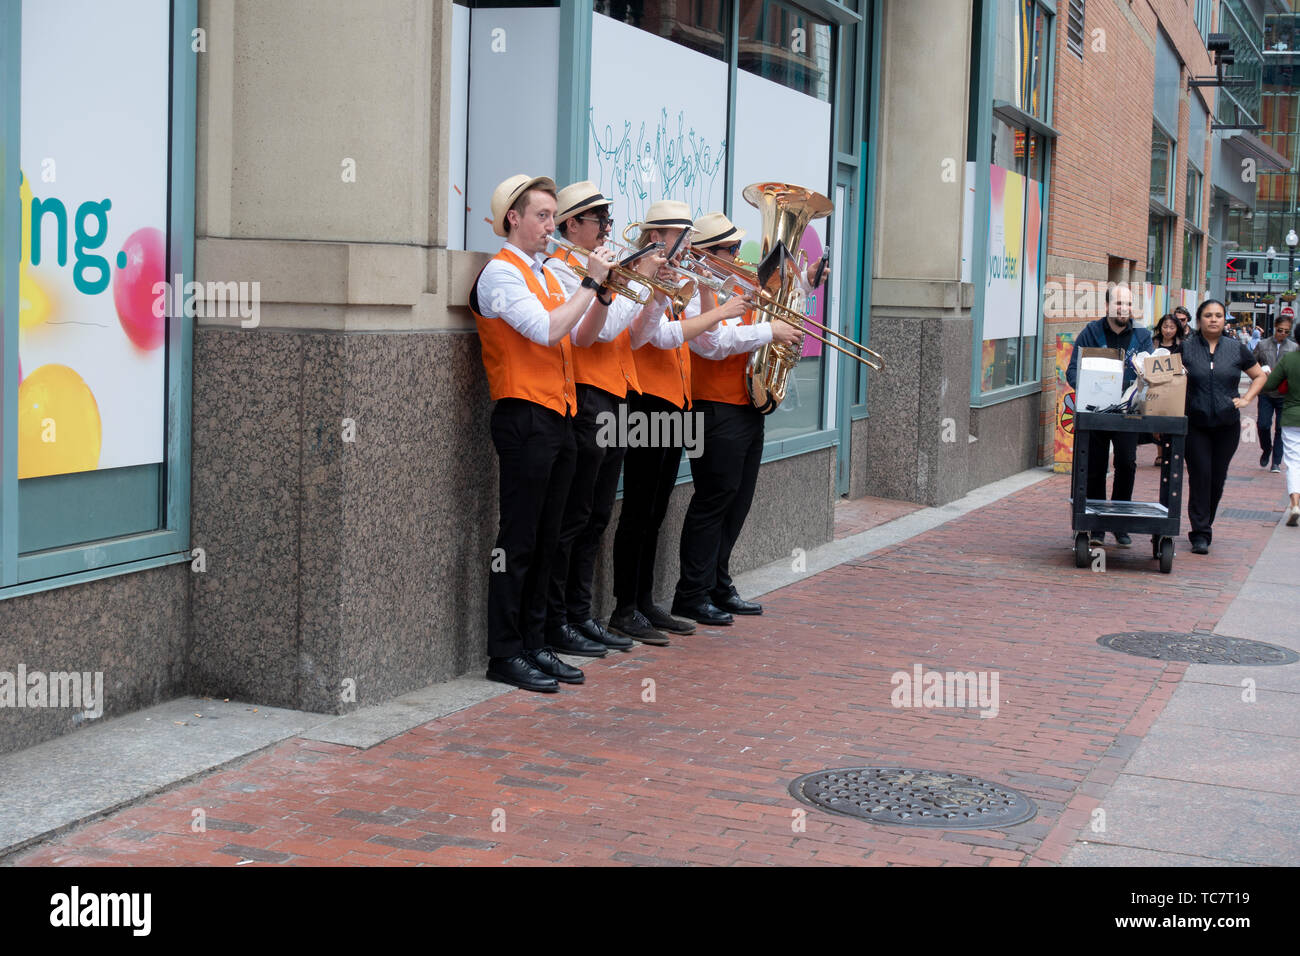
(1156, 518)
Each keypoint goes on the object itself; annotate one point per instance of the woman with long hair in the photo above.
(1168, 333)
(1214, 363)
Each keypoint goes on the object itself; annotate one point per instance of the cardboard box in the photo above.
(1101, 379)
(1163, 386)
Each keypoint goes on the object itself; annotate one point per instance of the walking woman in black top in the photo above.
(1214, 363)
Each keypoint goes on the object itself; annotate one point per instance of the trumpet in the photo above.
(625, 281)
(721, 275)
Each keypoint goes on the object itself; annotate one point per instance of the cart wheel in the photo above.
(1166, 555)
(1082, 553)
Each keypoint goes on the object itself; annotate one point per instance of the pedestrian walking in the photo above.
(1268, 414)
(1168, 335)
(1214, 363)
(1184, 319)
(1115, 330)
(1287, 369)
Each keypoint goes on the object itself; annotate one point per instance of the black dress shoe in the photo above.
(632, 623)
(704, 612)
(592, 631)
(1200, 546)
(520, 672)
(736, 605)
(567, 640)
(544, 660)
(662, 620)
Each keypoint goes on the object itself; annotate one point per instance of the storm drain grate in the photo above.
(1197, 648)
(907, 797)
(1247, 515)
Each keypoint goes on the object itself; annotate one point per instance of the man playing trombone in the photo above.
(664, 374)
(726, 471)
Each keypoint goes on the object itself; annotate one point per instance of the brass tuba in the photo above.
(786, 211)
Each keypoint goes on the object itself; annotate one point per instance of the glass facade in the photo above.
(1011, 310)
(793, 110)
(96, 372)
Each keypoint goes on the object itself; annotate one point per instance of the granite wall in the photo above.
(132, 628)
(345, 492)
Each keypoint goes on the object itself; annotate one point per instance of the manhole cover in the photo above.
(1248, 515)
(1197, 648)
(902, 796)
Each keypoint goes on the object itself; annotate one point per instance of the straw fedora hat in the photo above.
(667, 214)
(578, 198)
(508, 193)
(715, 229)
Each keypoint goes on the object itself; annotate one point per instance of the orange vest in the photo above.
(516, 366)
(720, 380)
(606, 365)
(665, 373)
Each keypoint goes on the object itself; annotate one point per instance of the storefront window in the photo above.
(1156, 228)
(1191, 259)
(1193, 208)
(1013, 274)
(1161, 165)
(101, 473)
(787, 46)
(699, 25)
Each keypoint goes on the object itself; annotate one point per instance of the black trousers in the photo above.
(1209, 452)
(536, 454)
(725, 474)
(649, 475)
(1099, 444)
(1268, 424)
(587, 510)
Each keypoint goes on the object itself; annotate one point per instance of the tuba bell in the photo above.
(786, 212)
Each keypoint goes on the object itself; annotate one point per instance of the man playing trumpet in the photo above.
(726, 471)
(525, 322)
(605, 373)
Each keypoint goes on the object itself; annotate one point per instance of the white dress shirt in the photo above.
(503, 293)
(665, 333)
(731, 337)
(622, 311)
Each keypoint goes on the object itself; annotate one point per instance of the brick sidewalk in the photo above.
(598, 775)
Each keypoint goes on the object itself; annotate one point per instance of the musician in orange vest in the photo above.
(525, 322)
(726, 470)
(663, 366)
(605, 374)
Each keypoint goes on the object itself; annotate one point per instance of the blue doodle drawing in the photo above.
(666, 164)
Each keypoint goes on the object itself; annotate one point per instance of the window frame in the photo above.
(982, 112)
(91, 560)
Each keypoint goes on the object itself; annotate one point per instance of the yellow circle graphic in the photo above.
(59, 430)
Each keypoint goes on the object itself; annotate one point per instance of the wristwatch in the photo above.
(589, 283)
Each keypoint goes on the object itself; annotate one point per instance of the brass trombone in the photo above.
(720, 275)
(626, 281)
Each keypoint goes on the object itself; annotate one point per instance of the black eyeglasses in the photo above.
(601, 221)
(733, 249)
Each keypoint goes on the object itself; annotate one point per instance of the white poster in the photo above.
(658, 124)
(782, 135)
(95, 84)
(513, 96)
